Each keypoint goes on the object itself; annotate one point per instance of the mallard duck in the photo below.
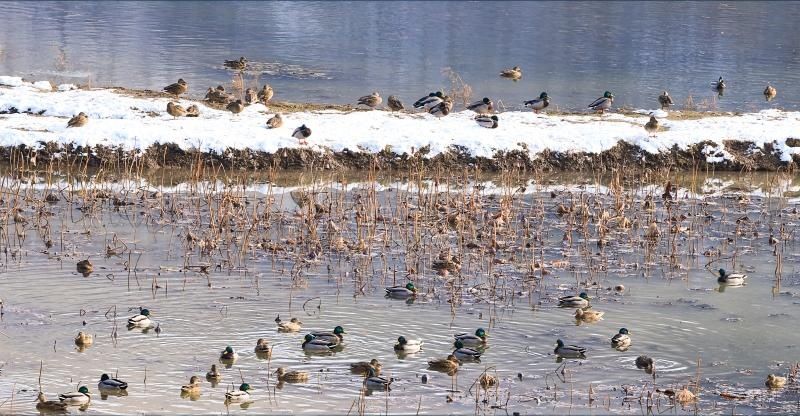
(372, 100)
(406, 291)
(275, 121)
(408, 346)
(603, 103)
(770, 92)
(175, 110)
(731, 279)
(465, 354)
(394, 103)
(294, 325)
(651, 127)
(108, 383)
(429, 101)
(443, 108)
(218, 95)
(375, 382)
(580, 301)
(538, 104)
(684, 395)
(665, 100)
(487, 380)
(213, 374)
(645, 362)
(239, 64)
(51, 405)
(78, 121)
(193, 111)
(240, 395)
(83, 339)
(363, 367)
(228, 354)
(487, 121)
(569, 351)
(235, 107)
(141, 320)
(76, 398)
(622, 339)
(336, 336)
(449, 364)
(302, 134)
(291, 376)
(177, 88)
(719, 85)
(514, 73)
(313, 344)
(470, 340)
(193, 386)
(250, 96)
(775, 382)
(482, 107)
(262, 347)
(265, 94)
(588, 315)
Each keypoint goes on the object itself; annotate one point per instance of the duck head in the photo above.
(104, 377)
(339, 330)
(84, 390)
(145, 312)
(623, 331)
(543, 95)
(458, 344)
(229, 350)
(402, 340)
(480, 332)
(608, 94)
(583, 295)
(722, 272)
(244, 387)
(410, 286)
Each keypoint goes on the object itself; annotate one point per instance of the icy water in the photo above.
(248, 260)
(336, 52)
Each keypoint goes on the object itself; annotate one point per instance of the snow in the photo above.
(131, 123)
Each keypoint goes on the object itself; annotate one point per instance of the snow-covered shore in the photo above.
(128, 122)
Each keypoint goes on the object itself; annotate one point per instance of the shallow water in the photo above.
(336, 52)
(676, 316)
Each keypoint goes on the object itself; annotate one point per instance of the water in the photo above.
(339, 51)
(676, 316)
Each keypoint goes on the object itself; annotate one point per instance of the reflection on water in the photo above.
(336, 52)
(216, 266)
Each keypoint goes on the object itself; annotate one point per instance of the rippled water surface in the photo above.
(256, 264)
(336, 52)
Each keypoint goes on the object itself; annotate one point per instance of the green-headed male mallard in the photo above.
(569, 351)
(472, 340)
(394, 103)
(175, 110)
(239, 64)
(665, 100)
(538, 104)
(241, 395)
(429, 101)
(402, 292)
(228, 354)
(580, 301)
(291, 376)
(408, 346)
(313, 344)
(177, 88)
(443, 108)
(336, 336)
(375, 382)
(514, 73)
(76, 398)
(621, 339)
(651, 127)
(302, 134)
(275, 121)
(483, 106)
(731, 279)
(108, 383)
(140, 320)
(448, 365)
(489, 122)
(78, 121)
(770, 92)
(371, 101)
(603, 103)
(363, 367)
(193, 387)
(50, 405)
(465, 354)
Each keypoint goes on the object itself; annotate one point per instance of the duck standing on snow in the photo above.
(239, 64)
(731, 279)
(193, 111)
(514, 73)
(443, 108)
(177, 88)
(408, 346)
(302, 134)
(235, 107)
(371, 101)
(175, 110)
(483, 106)
(569, 351)
(770, 92)
(489, 122)
(603, 103)
(140, 320)
(394, 103)
(275, 121)
(108, 383)
(472, 340)
(402, 292)
(429, 101)
(651, 127)
(78, 121)
(265, 94)
(665, 100)
(538, 104)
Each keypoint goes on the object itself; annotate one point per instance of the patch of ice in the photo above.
(67, 87)
(43, 85)
(11, 81)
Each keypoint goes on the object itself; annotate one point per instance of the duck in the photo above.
(621, 339)
(335, 336)
(603, 103)
(275, 121)
(470, 340)
(719, 85)
(213, 374)
(363, 367)
(262, 347)
(375, 382)
(487, 121)
(241, 395)
(770, 92)
(569, 351)
(449, 364)
(409, 290)
(250, 96)
(731, 279)
(228, 354)
(313, 344)
(465, 354)
(651, 127)
(78, 121)
(443, 108)
(175, 110)
(580, 301)
(50, 405)
(239, 64)
(291, 376)
(177, 88)
(193, 386)
(372, 100)
(394, 103)
(665, 100)
(76, 398)
(108, 383)
(644, 362)
(85, 267)
(302, 134)
(265, 94)
(482, 107)
(83, 339)
(538, 104)
(588, 315)
(141, 320)
(514, 73)
(294, 325)
(408, 346)
(193, 111)
(775, 382)
(429, 101)
(218, 95)
(487, 380)
(235, 107)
